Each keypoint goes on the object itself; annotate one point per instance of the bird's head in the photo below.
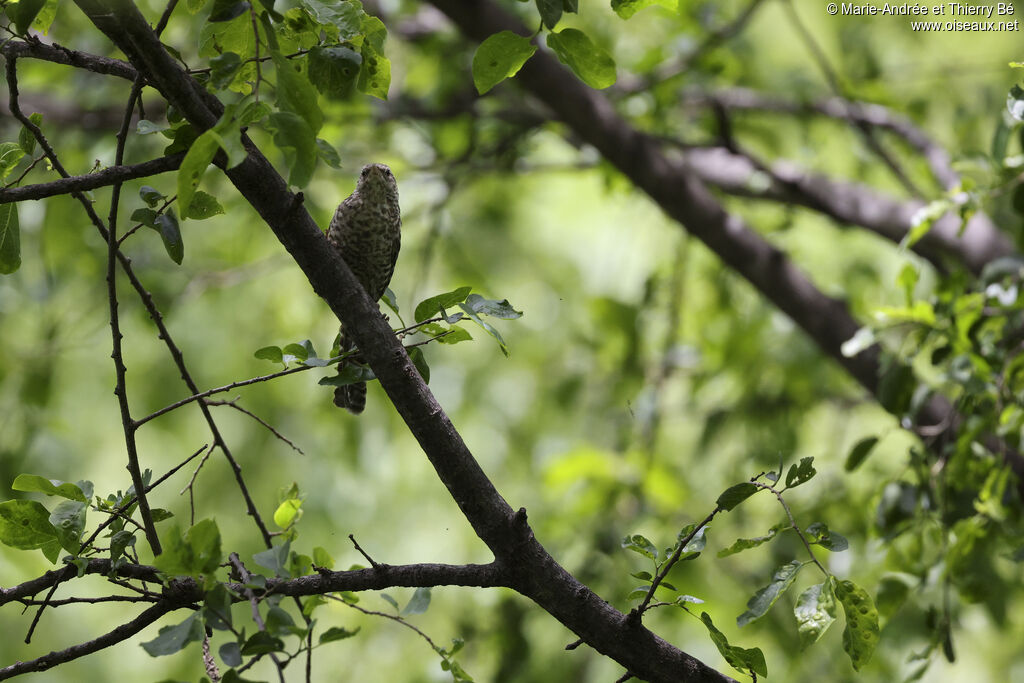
(377, 184)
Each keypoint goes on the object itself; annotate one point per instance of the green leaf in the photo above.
(226, 10)
(639, 544)
(271, 353)
(26, 139)
(390, 600)
(830, 540)
(297, 95)
(195, 553)
(217, 608)
(252, 113)
(45, 17)
(174, 638)
(322, 558)
(336, 633)
(454, 335)
(420, 361)
(275, 559)
(741, 659)
(627, 8)
(25, 525)
(298, 351)
(24, 13)
(860, 637)
(860, 452)
(231, 653)
(815, 611)
(334, 70)
(762, 600)
(194, 165)
(486, 326)
(51, 487)
(498, 309)
(297, 140)
(68, 518)
(375, 72)
(1015, 102)
(10, 239)
(287, 512)
(151, 195)
(500, 56)
(347, 17)
(10, 154)
(204, 206)
(280, 623)
(592, 64)
(419, 602)
(435, 304)
(223, 69)
(349, 374)
(170, 233)
(326, 151)
(742, 544)
(550, 12)
(144, 127)
(262, 643)
(734, 495)
(119, 542)
(922, 221)
(800, 473)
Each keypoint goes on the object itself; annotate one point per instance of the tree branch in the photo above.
(91, 181)
(119, 634)
(836, 107)
(853, 204)
(58, 54)
(533, 571)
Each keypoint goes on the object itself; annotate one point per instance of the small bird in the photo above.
(366, 230)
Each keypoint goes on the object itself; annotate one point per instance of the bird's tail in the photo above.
(351, 397)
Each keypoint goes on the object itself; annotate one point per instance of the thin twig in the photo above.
(220, 390)
(867, 133)
(116, 355)
(363, 552)
(117, 635)
(131, 499)
(243, 573)
(234, 404)
(638, 612)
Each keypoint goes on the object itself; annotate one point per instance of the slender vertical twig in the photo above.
(121, 390)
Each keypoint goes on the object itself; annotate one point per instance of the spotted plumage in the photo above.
(367, 230)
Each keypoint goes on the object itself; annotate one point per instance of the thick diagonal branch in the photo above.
(672, 184)
(532, 570)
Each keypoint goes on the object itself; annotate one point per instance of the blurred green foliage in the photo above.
(643, 379)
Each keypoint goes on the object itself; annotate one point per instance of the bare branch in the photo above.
(121, 390)
(58, 54)
(279, 435)
(119, 634)
(838, 108)
(91, 181)
(849, 203)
